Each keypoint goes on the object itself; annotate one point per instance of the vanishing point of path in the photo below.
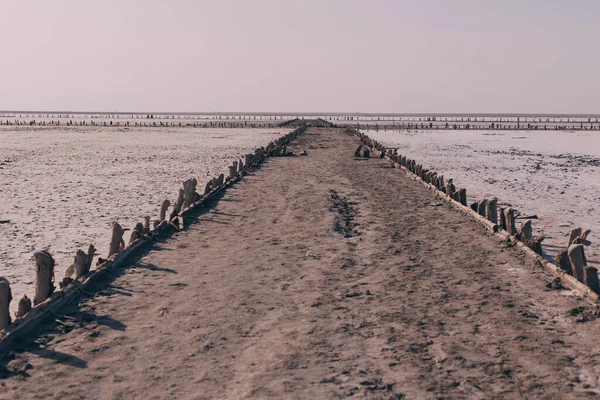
(320, 277)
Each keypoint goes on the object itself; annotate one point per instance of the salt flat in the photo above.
(552, 174)
(62, 187)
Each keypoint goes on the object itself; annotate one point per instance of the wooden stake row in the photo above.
(570, 260)
(79, 271)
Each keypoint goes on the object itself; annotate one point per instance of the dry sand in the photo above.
(554, 175)
(263, 298)
(61, 188)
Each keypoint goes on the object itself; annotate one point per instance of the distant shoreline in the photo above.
(307, 114)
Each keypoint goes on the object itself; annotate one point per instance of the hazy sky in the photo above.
(305, 55)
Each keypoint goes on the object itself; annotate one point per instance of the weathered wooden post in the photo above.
(462, 196)
(591, 278)
(79, 264)
(502, 219)
(562, 261)
(221, 179)
(235, 167)
(146, 224)
(482, 207)
(189, 189)
(579, 233)
(24, 307)
(90, 257)
(5, 299)
(44, 279)
(510, 221)
(575, 233)
(208, 187)
(240, 165)
(215, 183)
(163, 210)
(527, 230)
(577, 259)
(179, 203)
(136, 233)
(232, 171)
(491, 212)
(248, 160)
(116, 242)
(450, 188)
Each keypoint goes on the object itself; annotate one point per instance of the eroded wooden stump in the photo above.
(5, 299)
(179, 202)
(163, 210)
(491, 211)
(509, 214)
(44, 279)
(590, 275)
(563, 262)
(189, 193)
(502, 219)
(462, 196)
(577, 259)
(24, 307)
(527, 230)
(136, 233)
(116, 242)
(482, 207)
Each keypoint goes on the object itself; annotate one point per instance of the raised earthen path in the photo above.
(275, 293)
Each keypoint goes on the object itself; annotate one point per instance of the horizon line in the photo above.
(309, 114)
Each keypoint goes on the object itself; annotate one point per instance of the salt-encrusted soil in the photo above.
(552, 174)
(320, 277)
(61, 188)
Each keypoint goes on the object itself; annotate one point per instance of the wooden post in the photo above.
(146, 225)
(24, 307)
(44, 279)
(179, 202)
(163, 210)
(462, 195)
(526, 230)
(510, 221)
(5, 299)
(90, 258)
(491, 212)
(221, 179)
(137, 233)
(562, 261)
(116, 242)
(215, 183)
(502, 219)
(577, 259)
(79, 264)
(575, 233)
(240, 165)
(208, 187)
(189, 195)
(248, 160)
(450, 188)
(591, 278)
(482, 207)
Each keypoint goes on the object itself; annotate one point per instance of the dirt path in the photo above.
(275, 293)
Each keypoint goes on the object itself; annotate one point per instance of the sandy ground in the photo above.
(554, 175)
(279, 292)
(61, 188)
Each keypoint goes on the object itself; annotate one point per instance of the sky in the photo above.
(395, 56)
